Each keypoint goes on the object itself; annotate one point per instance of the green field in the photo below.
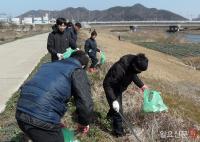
(177, 50)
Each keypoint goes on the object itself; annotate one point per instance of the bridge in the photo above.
(144, 23)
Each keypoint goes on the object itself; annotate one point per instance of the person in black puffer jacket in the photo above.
(73, 30)
(59, 40)
(43, 99)
(116, 81)
(91, 49)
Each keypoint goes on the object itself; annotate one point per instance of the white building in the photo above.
(27, 20)
(46, 19)
(15, 20)
(3, 17)
(37, 20)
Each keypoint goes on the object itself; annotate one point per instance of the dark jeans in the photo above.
(40, 132)
(116, 118)
(93, 59)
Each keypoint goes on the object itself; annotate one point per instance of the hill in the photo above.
(136, 12)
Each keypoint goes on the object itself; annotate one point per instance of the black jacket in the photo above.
(45, 95)
(120, 75)
(73, 33)
(58, 42)
(91, 47)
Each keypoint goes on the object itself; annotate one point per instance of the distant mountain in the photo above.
(137, 12)
(196, 19)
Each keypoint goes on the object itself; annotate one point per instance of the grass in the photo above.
(180, 103)
(100, 129)
(177, 50)
(181, 115)
(187, 108)
(11, 34)
(171, 44)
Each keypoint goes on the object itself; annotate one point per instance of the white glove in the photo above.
(60, 56)
(116, 106)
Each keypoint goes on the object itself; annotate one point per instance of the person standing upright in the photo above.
(73, 30)
(91, 49)
(59, 40)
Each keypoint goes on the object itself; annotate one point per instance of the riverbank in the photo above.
(179, 87)
(182, 45)
(9, 33)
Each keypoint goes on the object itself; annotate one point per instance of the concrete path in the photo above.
(18, 59)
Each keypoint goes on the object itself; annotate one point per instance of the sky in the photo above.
(187, 8)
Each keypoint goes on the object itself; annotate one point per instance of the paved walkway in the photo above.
(18, 59)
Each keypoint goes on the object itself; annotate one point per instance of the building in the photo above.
(4, 18)
(27, 20)
(37, 20)
(46, 19)
(16, 21)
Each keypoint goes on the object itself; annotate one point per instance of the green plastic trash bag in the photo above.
(103, 58)
(153, 102)
(68, 53)
(68, 135)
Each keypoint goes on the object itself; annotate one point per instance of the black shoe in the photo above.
(119, 134)
(109, 116)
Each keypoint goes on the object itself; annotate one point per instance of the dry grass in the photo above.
(193, 62)
(150, 126)
(180, 117)
(13, 32)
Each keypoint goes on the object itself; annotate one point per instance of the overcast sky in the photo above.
(187, 8)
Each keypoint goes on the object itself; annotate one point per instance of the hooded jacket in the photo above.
(91, 47)
(58, 42)
(73, 33)
(120, 75)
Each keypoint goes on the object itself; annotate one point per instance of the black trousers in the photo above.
(37, 130)
(116, 118)
(94, 60)
(41, 135)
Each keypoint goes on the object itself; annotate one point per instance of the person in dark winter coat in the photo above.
(73, 30)
(116, 81)
(59, 40)
(91, 49)
(43, 99)
(70, 24)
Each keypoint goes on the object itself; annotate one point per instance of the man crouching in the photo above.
(42, 101)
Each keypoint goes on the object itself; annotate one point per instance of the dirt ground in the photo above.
(165, 72)
(13, 32)
(161, 66)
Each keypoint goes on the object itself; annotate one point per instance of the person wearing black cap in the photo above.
(116, 81)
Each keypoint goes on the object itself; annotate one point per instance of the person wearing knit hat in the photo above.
(116, 81)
